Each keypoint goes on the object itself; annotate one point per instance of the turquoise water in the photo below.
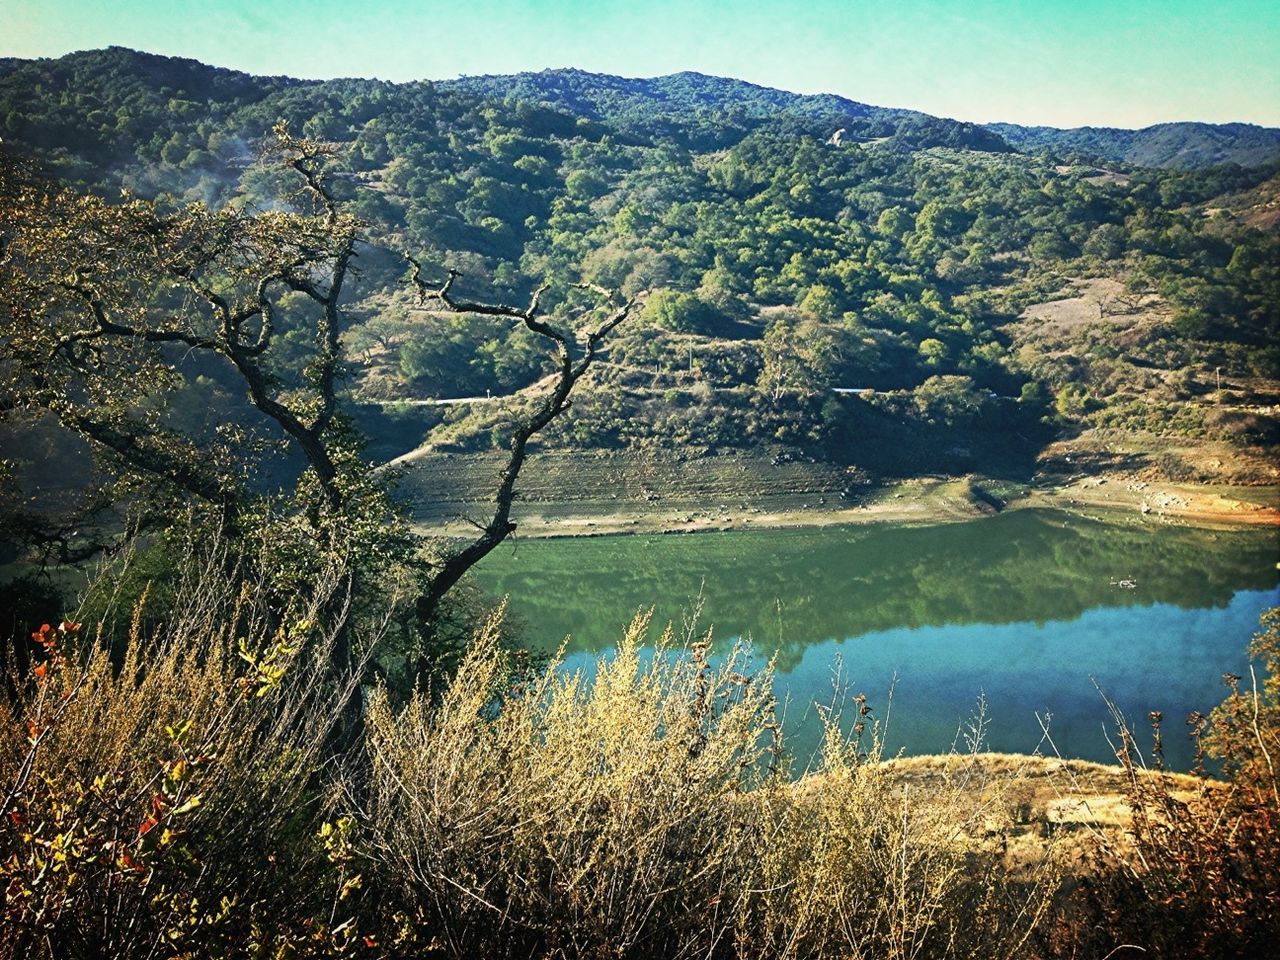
(1028, 610)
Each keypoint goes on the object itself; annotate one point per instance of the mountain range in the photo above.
(879, 288)
(699, 110)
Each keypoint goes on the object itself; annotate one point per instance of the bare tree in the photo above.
(572, 361)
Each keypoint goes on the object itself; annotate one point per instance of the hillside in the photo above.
(700, 111)
(876, 290)
(1181, 145)
(697, 108)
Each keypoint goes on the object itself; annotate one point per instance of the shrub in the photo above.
(169, 803)
(566, 817)
(1198, 876)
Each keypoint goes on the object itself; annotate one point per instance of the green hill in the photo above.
(841, 279)
(1182, 145)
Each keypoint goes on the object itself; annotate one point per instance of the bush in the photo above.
(186, 797)
(170, 803)
(1197, 876)
(681, 312)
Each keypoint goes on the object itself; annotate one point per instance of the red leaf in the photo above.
(42, 670)
(147, 826)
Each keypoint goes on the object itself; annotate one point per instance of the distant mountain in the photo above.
(144, 73)
(604, 96)
(684, 101)
(704, 111)
(695, 110)
(1180, 145)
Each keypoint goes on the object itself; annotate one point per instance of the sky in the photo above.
(1057, 62)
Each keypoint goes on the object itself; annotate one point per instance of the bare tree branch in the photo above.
(569, 371)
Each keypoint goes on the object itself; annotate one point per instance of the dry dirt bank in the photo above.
(1073, 803)
(569, 494)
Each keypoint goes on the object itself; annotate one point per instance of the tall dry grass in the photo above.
(189, 795)
(852, 863)
(641, 814)
(165, 800)
(561, 816)
(1198, 875)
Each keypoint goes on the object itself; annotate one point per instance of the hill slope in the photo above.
(704, 111)
(897, 300)
(1182, 145)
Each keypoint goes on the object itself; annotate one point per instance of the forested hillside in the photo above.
(284, 363)
(848, 281)
(1185, 145)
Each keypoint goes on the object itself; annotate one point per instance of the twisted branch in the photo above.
(569, 372)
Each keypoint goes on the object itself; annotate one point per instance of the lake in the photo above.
(1027, 609)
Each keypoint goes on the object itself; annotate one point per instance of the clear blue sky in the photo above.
(1060, 62)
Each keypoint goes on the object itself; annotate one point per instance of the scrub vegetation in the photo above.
(183, 794)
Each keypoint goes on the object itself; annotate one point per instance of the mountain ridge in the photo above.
(913, 297)
(1182, 143)
(709, 101)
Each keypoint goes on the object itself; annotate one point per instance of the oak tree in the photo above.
(110, 307)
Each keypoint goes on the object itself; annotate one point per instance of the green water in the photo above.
(1028, 609)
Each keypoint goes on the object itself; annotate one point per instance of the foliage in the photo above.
(1198, 876)
(255, 300)
(922, 238)
(185, 799)
(170, 800)
(647, 813)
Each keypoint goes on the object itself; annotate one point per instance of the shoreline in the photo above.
(916, 502)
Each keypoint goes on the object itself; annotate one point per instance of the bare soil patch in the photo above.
(1094, 300)
(606, 492)
(1071, 802)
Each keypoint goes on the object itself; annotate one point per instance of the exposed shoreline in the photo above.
(1074, 802)
(927, 501)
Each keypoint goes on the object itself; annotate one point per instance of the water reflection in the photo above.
(1025, 607)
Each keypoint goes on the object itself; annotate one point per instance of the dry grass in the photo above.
(644, 814)
(185, 797)
(1196, 872)
(164, 800)
(570, 816)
